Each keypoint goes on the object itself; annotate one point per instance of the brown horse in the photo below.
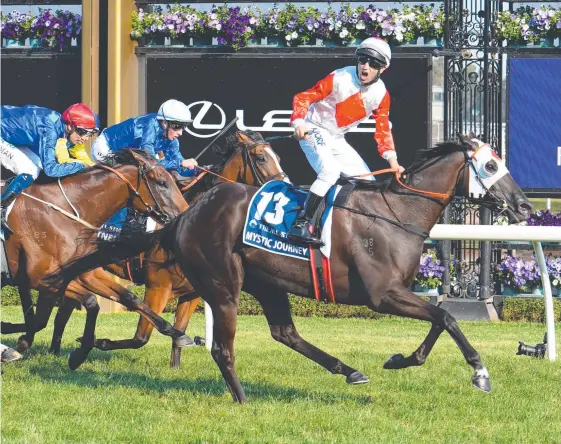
(45, 238)
(246, 158)
(396, 218)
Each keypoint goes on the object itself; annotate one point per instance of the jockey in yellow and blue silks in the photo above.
(29, 136)
(155, 133)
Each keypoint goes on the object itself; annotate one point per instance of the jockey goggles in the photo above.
(177, 125)
(372, 62)
(86, 132)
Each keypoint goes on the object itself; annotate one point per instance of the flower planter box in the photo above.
(277, 41)
(258, 41)
(11, 43)
(417, 288)
(36, 43)
(202, 41)
(327, 43)
(414, 42)
(158, 40)
(433, 42)
(182, 41)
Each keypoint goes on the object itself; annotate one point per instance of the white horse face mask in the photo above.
(486, 169)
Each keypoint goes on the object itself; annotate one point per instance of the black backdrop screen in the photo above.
(218, 88)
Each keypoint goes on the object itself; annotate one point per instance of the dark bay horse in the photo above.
(395, 218)
(45, 238)
(246, 158)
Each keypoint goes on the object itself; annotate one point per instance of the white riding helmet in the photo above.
(174, 111)
(376, 48)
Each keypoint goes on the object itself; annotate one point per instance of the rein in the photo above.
(413, 229)
(156, 213)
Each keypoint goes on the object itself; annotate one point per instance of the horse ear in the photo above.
(243, 138)
(464, 139)
(140, 156)
(472, 135)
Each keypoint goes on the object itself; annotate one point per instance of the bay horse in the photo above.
(246, 158)
(395, 217)
(49, 225)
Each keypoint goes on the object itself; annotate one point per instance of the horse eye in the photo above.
(261, 158)
(162, 183)
(491, 167)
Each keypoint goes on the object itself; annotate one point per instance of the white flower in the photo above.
(294, 35)
(437, 25)
(288, 37)
(344, 33)
(360, 25)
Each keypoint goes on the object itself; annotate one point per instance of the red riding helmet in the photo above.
(80, 116)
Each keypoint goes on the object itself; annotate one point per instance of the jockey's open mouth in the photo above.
(364, 73)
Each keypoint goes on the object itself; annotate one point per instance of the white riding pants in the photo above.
(100, 148)
(330, 156)
(19, 160)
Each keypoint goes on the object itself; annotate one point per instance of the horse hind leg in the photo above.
(276, 306)
(183, 313)
(25, 341)
(79, 355)
(61, 319)
(401, 301)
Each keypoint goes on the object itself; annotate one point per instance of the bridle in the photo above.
(248, 161)
(413, 229)
(157, 213)
(490, 198)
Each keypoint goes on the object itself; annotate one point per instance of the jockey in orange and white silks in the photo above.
(323, 114)
(30, 137)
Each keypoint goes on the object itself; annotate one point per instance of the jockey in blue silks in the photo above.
(153, 133)
(31, 136)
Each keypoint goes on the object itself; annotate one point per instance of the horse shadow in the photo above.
(51, 372)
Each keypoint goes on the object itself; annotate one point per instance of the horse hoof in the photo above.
(23, 344)
(357, 378)
(76, 358)
(395, 362)
(183, 341)
(101, 344)
(200, 340)
(482, 383)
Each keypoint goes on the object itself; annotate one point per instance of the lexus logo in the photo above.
(200, 110)
(209, 118)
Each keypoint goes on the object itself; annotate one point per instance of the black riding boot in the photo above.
(7, 199)
(300, 231)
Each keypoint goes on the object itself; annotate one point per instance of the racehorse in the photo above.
(246, 158)
(49, 223)
(395, 217)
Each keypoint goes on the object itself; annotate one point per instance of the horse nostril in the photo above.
(525, 207)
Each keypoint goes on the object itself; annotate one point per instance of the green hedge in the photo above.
(513, 308)
(528, 309)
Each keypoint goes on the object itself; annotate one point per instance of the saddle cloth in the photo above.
(272, 212)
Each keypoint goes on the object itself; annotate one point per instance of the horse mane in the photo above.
(436, 152)
(227, 151)
(125, 157)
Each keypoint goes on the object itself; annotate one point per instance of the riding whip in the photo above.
(226, 128)
(270, 139)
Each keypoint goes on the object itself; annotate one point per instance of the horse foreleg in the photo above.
(277, 311)
(156, 299)
(79, 355)
(183, 313)
(61, 319)
(402, 302)
(102, 283)
(25, 341)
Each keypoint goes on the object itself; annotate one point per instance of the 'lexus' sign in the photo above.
(259, 91)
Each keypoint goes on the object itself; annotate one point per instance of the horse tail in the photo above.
(106, 253)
